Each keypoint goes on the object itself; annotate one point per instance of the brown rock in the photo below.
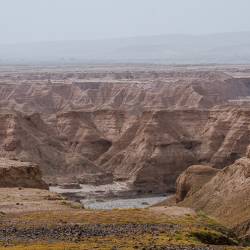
(20, 174)
(141, 126)
(226, 196)
(192, 179)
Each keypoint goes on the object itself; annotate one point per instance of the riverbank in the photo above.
(33, 219)
(110, 196)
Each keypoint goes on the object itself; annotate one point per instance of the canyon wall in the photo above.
(141, 127)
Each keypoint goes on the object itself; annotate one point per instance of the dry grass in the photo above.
(187, 225)
(60, 212)
(116, 216)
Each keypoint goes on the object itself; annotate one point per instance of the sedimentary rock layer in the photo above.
(20, 174)
(145, 127)
(226, 196)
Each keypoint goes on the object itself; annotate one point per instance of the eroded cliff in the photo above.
(145, 127)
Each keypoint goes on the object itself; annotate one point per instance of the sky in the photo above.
(53, 20)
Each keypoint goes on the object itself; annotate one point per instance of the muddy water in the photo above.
(108, 204)
(111, 196)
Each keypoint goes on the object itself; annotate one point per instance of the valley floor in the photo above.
(37, 220)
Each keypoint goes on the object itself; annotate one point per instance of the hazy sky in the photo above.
(39, 20)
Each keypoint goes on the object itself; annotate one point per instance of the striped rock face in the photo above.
(141, 126)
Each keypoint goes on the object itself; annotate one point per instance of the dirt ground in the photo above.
(16, 200)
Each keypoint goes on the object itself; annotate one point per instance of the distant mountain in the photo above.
(171, 49)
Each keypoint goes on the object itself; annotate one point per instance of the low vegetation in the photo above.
(131, 229)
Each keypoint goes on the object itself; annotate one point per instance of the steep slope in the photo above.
(149, 149)
(226, 196)
(192, 179)
(28, 138)
(145, 127)
(158, 146)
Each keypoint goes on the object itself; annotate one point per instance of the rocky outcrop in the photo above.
(28, 138)
(128, 90)
(229, 187)
(226, 196)
(157, 146)
(150, 149)
(192, 179)
(20, 174)
(142, 127)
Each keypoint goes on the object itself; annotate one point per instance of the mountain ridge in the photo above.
(167, 49)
